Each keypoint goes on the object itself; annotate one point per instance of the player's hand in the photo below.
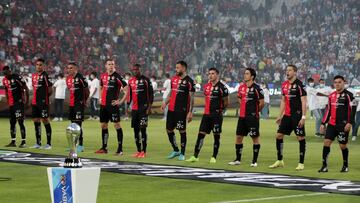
(189, 117)
(163, 106)
(301, 123)
(116, 102)
(322, 129)
(148, 111)
(347, 127)
(278, 120)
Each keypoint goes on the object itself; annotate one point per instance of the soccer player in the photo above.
(17, 94)
(42, 89)
(79, 93)
(251, 100)
(339, 116)
(141, 95)
(292, 116)
(216, 99)
(111, 83)
(181, 102)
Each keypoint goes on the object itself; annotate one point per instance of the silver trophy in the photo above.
(72, 134)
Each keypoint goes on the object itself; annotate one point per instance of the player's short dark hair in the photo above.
(108, 59)
(310, 80)
(167, 75)
(137, 65)
(5, 68)
(321, 80)
(339, 77)
(40, 59)
(61, 75)
(183, 63)
(293, 67)
(252, 72)
(73, 63)
(214, 69)
(94, 73)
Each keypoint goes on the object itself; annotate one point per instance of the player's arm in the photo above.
(49, 85)
(26, 91)
(303, 108)
(352, 105)
(282, 109)
(261, 104)
(191, 107)
(225, 102)
(125, 91)
(150, 96)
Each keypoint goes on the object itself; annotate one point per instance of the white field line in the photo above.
(273, 198)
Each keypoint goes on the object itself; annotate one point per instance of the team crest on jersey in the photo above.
(216, 88)
(294, 86)
(112, 77)
(12, 81)
(184, 82)
(141, 81)
(76, 79)
(252, 89)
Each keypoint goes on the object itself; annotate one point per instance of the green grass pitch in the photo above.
(29, 183)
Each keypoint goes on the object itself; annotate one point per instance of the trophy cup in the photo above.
(72, 135)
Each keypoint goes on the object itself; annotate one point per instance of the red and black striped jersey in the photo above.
(249, 99)
(293, 93)
(14, 87)
(214, 95)
(76, 85)
(111, 85)
(141, 93)
(340, 109)
(180, 93)
(41, 84)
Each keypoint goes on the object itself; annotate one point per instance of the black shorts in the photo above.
(338, 132)
(248, 126)
(139, 119)
(76, 113)
(17, 111)
(211, 123)
(40, 111)
(289, 124)
(176, 120)
(109, 113)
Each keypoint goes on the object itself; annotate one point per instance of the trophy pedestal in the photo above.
(73, 185)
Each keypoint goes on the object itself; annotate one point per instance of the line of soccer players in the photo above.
(138, 91)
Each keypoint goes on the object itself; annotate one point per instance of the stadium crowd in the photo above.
(320, 37)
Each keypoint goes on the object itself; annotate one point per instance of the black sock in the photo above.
(325, 154)
(345, 154)
(105, 137)
(216, 145)
(81, 138)
(13, 129)
(279, 148)
(256, 149)
(22, 130)
(119, 133)
(137, 139)
(302, 149)
(48, 133)
(172, 140)
(143, 139)
(183, 142)
(238, 151)
(38, 132)
(199, 144)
